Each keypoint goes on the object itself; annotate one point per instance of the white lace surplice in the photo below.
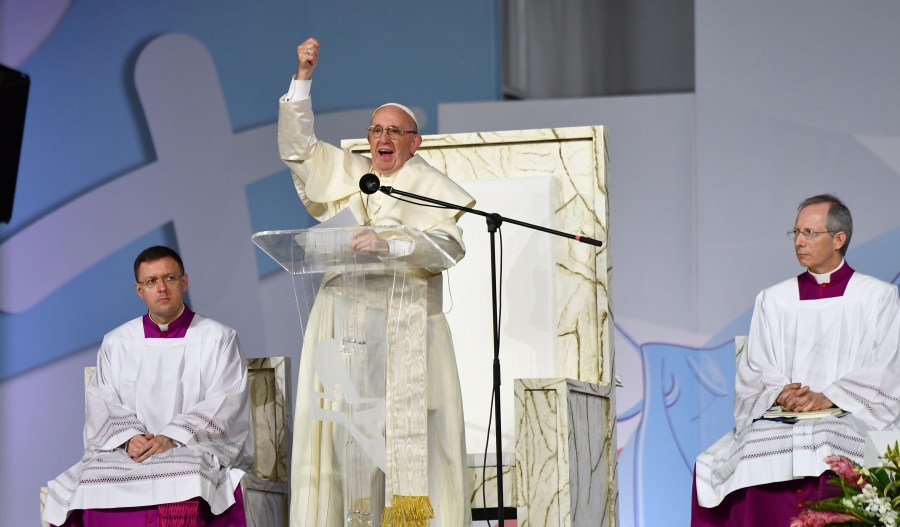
(844, 347)
(191, 389)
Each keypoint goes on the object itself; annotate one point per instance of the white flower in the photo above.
(876, 505)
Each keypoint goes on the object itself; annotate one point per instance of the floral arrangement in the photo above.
(870, 496)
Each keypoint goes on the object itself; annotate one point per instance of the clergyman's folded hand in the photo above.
(798, 398)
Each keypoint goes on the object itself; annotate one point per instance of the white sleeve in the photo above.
(399, 247)
(759, 378)
(298, 90)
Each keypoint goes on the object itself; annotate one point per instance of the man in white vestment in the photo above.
(327, 181)
(826, 339)
(167, 435)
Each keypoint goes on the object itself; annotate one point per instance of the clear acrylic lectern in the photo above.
(371, 366)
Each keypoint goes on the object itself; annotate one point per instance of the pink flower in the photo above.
(810, 518)
(845, 468)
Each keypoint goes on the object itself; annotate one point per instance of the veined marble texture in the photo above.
(740, 344)
(483, 480)
(267, 490)
(565, 434)
(268, 383)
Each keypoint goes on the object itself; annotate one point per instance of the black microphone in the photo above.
(369, 183)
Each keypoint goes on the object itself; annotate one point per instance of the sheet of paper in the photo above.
(343, 218)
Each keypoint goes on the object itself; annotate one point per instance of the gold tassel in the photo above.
(408, 511)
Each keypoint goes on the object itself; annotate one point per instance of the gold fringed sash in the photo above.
(406, 405)
(408, 511)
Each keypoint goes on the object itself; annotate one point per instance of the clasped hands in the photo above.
(142, 446)
(798, 398)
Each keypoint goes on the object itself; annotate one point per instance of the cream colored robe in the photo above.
(327, 181)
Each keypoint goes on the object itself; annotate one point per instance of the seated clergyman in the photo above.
(167, 432)
(827, 338)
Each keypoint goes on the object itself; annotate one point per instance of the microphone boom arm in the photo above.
(493, 217)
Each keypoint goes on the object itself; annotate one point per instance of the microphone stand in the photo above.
(494, 220)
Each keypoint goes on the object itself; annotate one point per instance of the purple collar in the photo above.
(176, 329)
(812, 290)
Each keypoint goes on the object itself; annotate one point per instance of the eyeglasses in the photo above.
(809, 234)
(392, 131)
(169, 280)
